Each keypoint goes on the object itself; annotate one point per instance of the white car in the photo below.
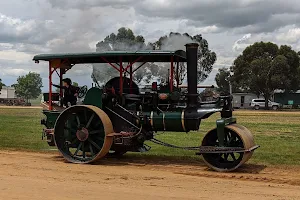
(260, 103)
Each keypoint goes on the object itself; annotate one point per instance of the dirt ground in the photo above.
(36, 176)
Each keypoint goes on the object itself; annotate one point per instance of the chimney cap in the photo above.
(192, 45)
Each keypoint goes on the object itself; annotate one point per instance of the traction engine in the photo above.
(110, 122)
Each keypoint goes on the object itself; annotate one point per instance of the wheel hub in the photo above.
(82, 134)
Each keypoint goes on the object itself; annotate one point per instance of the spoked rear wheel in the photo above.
(235, 136)
(82, 134)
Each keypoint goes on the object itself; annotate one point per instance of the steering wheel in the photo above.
(82, 91)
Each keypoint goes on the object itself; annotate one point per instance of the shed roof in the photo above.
(115, 56)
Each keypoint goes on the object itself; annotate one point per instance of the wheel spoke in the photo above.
(91, 150)
(83, 150)
(233, 156)
(85, 115)
(226, 156)
(70, 129)
(78, 148)
(95, 132)
(75, 140)
(94, 144)
(78, 121)
(90, 120)
(99, 123)
(99, 138)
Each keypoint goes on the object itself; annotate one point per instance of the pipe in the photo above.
(192, 62)
(198, 86)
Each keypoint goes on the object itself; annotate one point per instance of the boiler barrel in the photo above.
(174, 121)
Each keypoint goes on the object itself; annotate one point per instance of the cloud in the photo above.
(284, 36)
(241, 14)
(14, 56)
(83, 4)
(241, 43)
(49, 26)
(292, 36)
(13, 72)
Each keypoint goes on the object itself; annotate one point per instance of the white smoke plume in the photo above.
(241, 43)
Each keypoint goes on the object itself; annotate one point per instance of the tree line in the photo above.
(27, 86)
(126, 40)
(262, 68)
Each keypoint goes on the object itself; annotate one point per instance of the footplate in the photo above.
(211, 149)
(48, 134)
(122, 139)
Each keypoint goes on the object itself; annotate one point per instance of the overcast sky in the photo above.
(29, 27)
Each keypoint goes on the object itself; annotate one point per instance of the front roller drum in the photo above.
(236, 136)
(83, 134)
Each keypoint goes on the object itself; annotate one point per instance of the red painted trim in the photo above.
(57, 72)
(61, 73)
(130, 73)
(138, 67)
(110, 63)
(130, 65)
(50, 86)
(177, 75)
(172, 74)
(121, 77)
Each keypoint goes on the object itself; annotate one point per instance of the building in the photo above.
(288, 100)
(7, 92)
(242, 100)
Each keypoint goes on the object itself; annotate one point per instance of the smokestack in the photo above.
(192, 61)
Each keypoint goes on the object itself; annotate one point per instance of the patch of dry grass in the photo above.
(278, 133)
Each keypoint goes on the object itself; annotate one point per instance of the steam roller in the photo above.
(119, 117)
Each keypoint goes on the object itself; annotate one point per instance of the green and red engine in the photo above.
(110, 122)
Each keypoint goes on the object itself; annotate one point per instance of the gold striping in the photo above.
(151, 119)
(182, 120)
(164, 121)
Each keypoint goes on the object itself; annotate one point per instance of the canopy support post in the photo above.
(61, 72)
(103, 58)
(50, 86)
(171, 74)
(121, 77)
(130, 73)
(135, 61)
(177, 74)
(138, 67)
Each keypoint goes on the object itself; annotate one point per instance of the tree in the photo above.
(206, 58)
(1, 84)
(222, 80)
(75, 84)
(208, 94)
(126, 40)
(263, 68)
(29, 86)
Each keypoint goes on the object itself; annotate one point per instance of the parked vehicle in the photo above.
(260, 103)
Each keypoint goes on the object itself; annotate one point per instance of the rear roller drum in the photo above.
(235, 136)
(83, 134)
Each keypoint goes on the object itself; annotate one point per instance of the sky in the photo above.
(30, 27)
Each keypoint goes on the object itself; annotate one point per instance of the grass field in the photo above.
(278, 133)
